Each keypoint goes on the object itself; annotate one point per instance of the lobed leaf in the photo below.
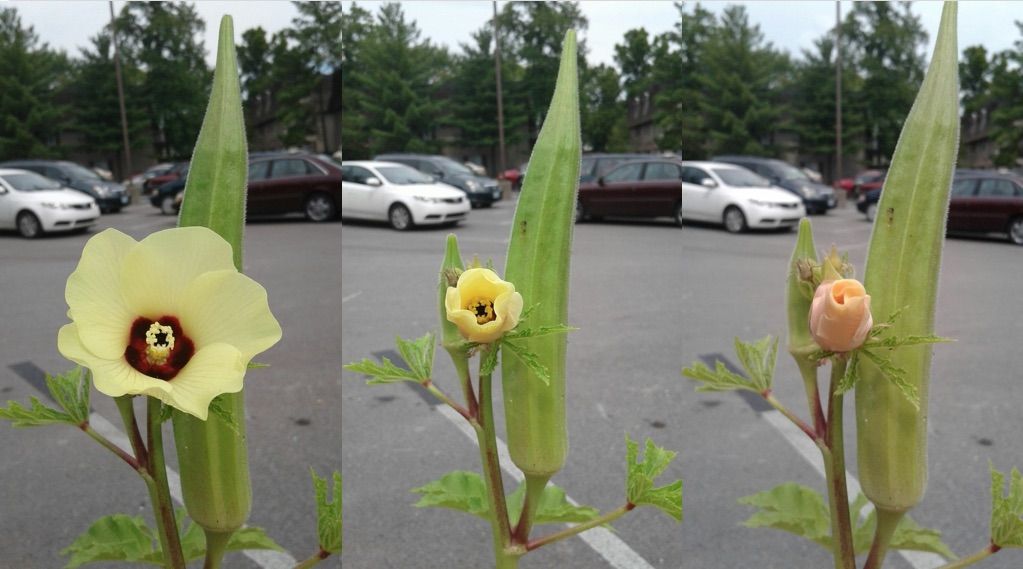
(457, 490)
(383, 372)
(71, 391)
(552, 508)
(114, 538)
(532, 361)
(1006, 510)
(418, 355)
(35, 415)
(639, 483)
(328, 516)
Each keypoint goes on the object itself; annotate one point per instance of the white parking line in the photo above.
(809, 451)
(608, 545)
(265, 559)
(351, 296)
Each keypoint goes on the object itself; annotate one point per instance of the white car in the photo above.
(400, 195)
(736, 198)
(35, 205)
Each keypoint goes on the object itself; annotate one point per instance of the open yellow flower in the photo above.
(482, 306)
(168, 316)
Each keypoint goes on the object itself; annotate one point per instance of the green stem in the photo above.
(577, 529)
(159, 492)
(487, 437)
(109, 445)
(216, 547)
(436, 392)
(461, 361)
(769, 397)
(834, 468)
(808, 370)
(535, 485)
(313, 560)
(126, 407)
(887, 521)
(988, 551)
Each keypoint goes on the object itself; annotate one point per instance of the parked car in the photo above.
(135, 181)
(398, 194)
(817, 198)
(481, 191)
(987, 202)
(35, 205)
(515, 175)
(865, 181)
(167, 197)
(109, 196)
(294, 183)
(595, 165)
(735, 197)
(640, 188)
(176, 171)
(867, 203)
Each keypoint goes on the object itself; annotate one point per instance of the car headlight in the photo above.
(426, 199)
(809, 192)
(472, 185)
(100, 190)
(53, 205)
(763, 203)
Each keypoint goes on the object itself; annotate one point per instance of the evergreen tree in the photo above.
(356, 24)
(603, 115)
(1007, 95)
(635, 60)
(974, 78)
(254, 63)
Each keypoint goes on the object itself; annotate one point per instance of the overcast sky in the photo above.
(791, 26)
(69, 25)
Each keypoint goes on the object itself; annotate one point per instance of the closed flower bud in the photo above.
(482, 306)
(840, 315)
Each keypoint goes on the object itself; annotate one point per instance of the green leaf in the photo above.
(910, 536)
(553, 508)
(450, 267)
(531, 359)
(896, 375)
(488, 358)
(256, 365)
(36, 415)
(718, 379)
(758, 359)
(1006, 510)
(639, 483)
(115, 538)
(418, 355)
(215, 189)
(520, 332)
(193, 539)
(458, 490)
(328, 515)
(382, 372)
(850, 376)
(71, 391)
(220, 407)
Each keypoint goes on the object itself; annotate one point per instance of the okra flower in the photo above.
(840, 315)
(168, 316)
(482, 306)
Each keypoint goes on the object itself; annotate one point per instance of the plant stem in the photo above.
(887, 521)
(126, 407)
(216, 547)
(458, 357)
(436, 392)
(109, 445)
(577, 529)
(808, 370)
(534, 491)
(834, 468)
(159, 492)
(769, 397)
(487, 437)
(313, 560)
(988, 551)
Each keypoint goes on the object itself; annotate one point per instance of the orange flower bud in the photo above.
(840, 315)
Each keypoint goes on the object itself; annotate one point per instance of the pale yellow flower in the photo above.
(168, 316)
(840, 316)
(482, 306)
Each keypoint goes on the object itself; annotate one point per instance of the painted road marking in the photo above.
(350, 296)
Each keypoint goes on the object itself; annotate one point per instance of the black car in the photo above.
(480, 190)
(165, 197)
(818, 198)
(109, 196)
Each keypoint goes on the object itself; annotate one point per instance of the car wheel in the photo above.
(1016, 231)
(580, 212)
(678, 215)
(871, 212)
(735, 221)
(29, 226)
(319, 207)
(167, 206)
(400, 217)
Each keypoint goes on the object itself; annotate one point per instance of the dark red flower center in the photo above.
(158, 348)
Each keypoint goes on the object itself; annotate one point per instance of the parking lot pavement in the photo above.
(649, 298)
(56, 481)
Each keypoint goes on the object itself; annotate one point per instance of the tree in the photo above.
(1006, 123)
(974, 78)
(317, 28)
(603, 115)
(356, 24)
(254, 63)
(635, 60)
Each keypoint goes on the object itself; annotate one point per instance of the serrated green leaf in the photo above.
(910, 536)
(488, 358)
(35, 415)
(458, 490)
(718, 379)
(220, 407)
(531, 360)
(640, 478)
(328, 515)
(418, 355)
(520, 332)
(553, 507)
(256, 365)
(383, 372)
(850, 376)
(896, 375)
(71, 391)
(758, 359)
(1006, 510)
(912, 340)
(114, 538)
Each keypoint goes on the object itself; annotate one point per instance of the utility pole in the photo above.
(126, 169)
(500, 99)
(838, 90)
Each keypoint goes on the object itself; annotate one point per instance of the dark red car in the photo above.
(175, 172)
(863, 182)
(294, 183)
(987, 202)
(642, 188)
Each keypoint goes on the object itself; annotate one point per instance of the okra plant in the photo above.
(877, 338)
(172, 319)
(519, 324)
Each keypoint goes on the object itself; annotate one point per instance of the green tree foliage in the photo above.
(31, 76)
(162, 39)
(974, 78)
(603, 113)
(356, 23)
(1007, 96)
(254, 63)
(635, 60)
(317, 29)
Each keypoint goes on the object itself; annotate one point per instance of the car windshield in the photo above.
(449, 166)
(403, 175)
(76, 172)
(30, 182)
(741, 178)
(788, 172)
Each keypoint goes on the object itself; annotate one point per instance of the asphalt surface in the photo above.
(56, 481)
(649, 298)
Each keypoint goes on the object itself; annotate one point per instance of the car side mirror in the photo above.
(708, 183)
(600, 181)
(375, 182)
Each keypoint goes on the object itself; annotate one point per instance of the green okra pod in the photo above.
(538, 266)
(902, 274)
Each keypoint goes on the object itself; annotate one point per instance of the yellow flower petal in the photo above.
(157, 271)
(508, 307)
(94, 297)
(113, 377)
(214, 369)
(229, 307)
(481, 283)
